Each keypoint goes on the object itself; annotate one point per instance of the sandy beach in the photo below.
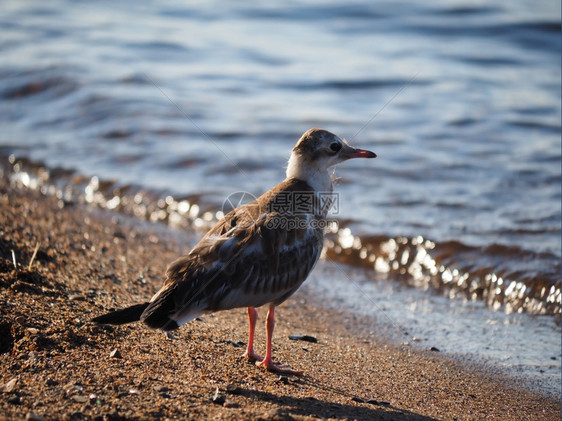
(63, 263)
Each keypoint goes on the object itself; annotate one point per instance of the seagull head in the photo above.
(321, 149)
(317, 150)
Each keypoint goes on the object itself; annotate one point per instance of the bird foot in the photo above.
(251, 356)
(269, 365)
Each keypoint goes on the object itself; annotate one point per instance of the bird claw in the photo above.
(251, 356)
(269, 365)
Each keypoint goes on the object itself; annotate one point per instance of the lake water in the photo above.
(173, 107)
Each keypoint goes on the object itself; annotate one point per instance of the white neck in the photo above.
(317, 178)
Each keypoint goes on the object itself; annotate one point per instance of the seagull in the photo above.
(258, 254)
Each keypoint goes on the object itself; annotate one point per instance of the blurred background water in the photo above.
(460, 100)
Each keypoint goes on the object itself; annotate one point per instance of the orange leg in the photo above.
(250, 354)
(267, 361)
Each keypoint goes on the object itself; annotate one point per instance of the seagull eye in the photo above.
(335, 147)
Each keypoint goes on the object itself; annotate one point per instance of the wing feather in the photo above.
(253, 256)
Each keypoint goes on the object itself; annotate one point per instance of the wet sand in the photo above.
(55, 364)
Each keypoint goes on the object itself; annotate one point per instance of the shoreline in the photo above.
(89, 260)
(520, 347)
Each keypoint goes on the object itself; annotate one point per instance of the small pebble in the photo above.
(376, 402)
(305, 338)
(237, 344)
(115, 354)
(217, 398)
(283, 379)
(14, 400)
(80, 398)
(10, 386)
(233, 389)
(434, 349)
(161, 389)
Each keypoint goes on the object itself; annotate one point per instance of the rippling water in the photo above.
(460, 100)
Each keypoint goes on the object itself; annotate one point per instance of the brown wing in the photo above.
(252, 257)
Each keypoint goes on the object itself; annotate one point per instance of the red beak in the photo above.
(362, 153)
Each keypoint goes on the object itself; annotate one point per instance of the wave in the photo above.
(503, 277)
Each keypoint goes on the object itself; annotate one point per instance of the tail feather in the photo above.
(157, 314)
(120, 317)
